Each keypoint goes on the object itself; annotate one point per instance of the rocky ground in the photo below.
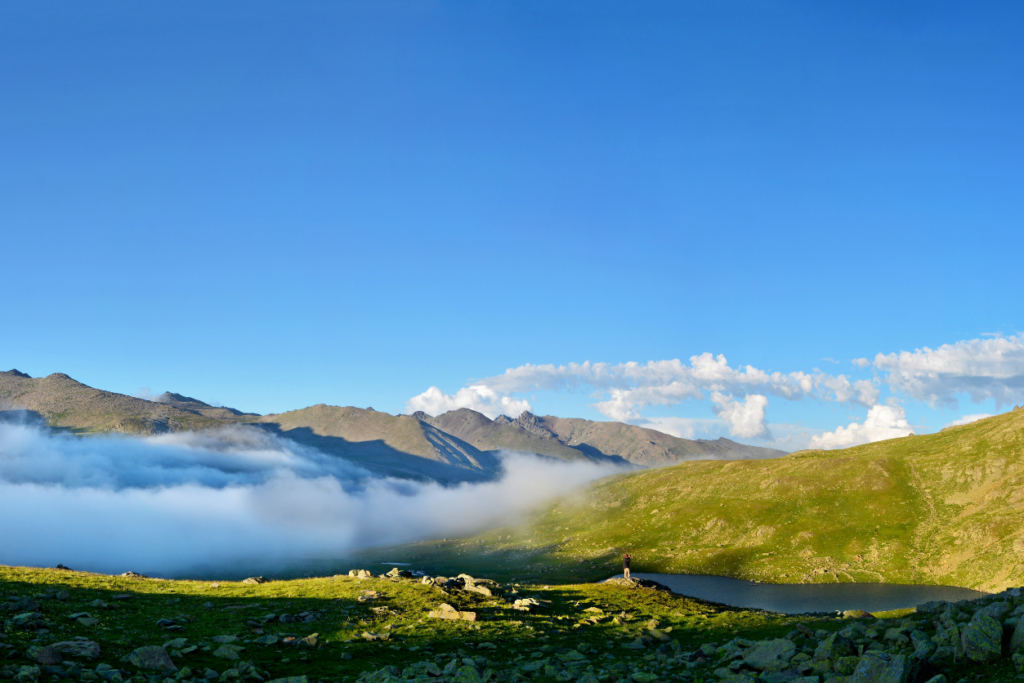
(61, 625)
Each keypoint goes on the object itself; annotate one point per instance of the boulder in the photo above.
(254, 580)
(446, 611)
(153, 658)
(831, 649)
(881, 667)
(997, 610)
(78, 647)
(45, 655)
(770, 655)
(22, 605)
(982, 638)
(360, 573)
(228, 651)
(1017, 639)
(857, 614)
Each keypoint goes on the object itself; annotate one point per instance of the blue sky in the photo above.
(271, 205)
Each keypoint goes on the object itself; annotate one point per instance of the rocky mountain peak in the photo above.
(171, 397)
(16, 373)
(531, 423)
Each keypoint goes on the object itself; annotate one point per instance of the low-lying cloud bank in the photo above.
(231, 498)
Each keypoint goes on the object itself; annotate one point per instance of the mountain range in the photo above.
(461, 445)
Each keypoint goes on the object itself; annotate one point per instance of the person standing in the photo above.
(625, 564)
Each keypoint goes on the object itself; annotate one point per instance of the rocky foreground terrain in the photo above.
(60, 625)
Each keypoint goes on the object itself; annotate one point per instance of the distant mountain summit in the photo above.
(460, 445)
(599, 441)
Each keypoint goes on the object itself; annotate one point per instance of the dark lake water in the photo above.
(800, 598)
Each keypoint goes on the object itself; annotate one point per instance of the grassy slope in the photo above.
(945, 508)
(68, 404)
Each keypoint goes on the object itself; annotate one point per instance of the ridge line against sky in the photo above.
(988, 370)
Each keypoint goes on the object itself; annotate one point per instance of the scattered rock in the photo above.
(770, 655)
(982, 638)
(881, 667)
(255, 580)
(133, 575)
(446, 611)
(224, 640)
(360, 573)
(45, 655)
(153, 658)
(397, 573)
(857, 614)
(228, 651)
(79, 647)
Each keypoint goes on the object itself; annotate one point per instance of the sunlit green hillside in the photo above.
(946, 508)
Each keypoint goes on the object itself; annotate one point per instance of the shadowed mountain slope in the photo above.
(399, 445)
(492, 435)
(194, 405)
(558, 437)
(945, 508)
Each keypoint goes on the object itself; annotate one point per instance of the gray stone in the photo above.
(45, 655)
(152, 658)
(982, 638)
(224, 640)
(228, 651)
(1017, 639)
(79, 647)
(26, 618)
(467, 674)
(881, 667)
(996, 610)
(831, 649)
(770, 655)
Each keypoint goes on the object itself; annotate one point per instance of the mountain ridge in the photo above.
(460, 445)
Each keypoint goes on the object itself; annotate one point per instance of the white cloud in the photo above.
(478, 397)
(882, 422)
(968, 419)
(682, 427)
(861, 362)
(981, 368)
(745, 418)
(234, 498)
